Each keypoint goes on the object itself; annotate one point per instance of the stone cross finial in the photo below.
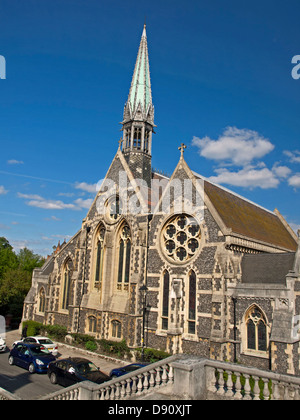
(182, 148)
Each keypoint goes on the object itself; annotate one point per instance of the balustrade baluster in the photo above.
(266, 392)
(123, 391)
(229, 392)
(286, 395)
(164, 377)
(238, 387)
(256, 389)
(117, 393)
(134, 385)
(247, 387)
(140, 385)
(102, 394)
(275, 390)
(158, 377)
(152, 379)
(128, 387)
(221, 382)
(146, 381)
(171, 374)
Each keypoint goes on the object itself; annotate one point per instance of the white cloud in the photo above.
(91, 188)
(248, 177)
(51, 205)
(46, 204)
(15, 162)
(3, 190)
(235, 146)
(85, 204)
(294, 181)
(30, 196)
(293, 156)
(281, 171)
(52, 218)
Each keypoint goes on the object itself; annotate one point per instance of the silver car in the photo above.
(2, 344)
(44, 341)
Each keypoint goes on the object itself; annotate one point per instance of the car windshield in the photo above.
(45, 341)
(132, 368)
(39, 351)
(86, 367)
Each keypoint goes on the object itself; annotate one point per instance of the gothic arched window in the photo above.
(256, 328)
(99, 253)
(42, 300)
(116, 329)
(124, 258)
(165, 300)
(67, 275)
(192, 303)
(92, 322)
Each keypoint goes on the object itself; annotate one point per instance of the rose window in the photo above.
(181, 238)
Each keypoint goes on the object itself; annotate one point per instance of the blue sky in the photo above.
(221, 83)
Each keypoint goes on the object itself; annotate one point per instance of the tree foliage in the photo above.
(15, 277)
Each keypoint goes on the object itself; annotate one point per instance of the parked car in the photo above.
(2, 345)
(115, 373)
(44, 341)
(34, 357)
(70, 371)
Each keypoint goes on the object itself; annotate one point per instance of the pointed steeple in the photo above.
(138, 119)
(140, 96)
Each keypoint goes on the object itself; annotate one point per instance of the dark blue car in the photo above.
(33, 357)
(115, 373)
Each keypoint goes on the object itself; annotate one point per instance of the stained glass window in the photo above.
(256, 330)
(181, 238)
(192, 303)
(165, 305)
(124, 258)
(67, 274)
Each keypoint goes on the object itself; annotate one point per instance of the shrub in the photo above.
(151, 355)
(33, 328)
(91, 345)
(118, 348)
(57, 332)
(82, 339)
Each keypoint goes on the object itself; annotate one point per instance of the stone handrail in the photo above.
(231, 381)
(125, 387)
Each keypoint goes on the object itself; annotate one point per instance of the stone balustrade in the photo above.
(187, 378)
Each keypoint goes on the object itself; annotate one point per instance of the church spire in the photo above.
(138, 119)
(140, 90)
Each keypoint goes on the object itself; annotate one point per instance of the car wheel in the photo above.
(11, 360)
(53, 378)
(31, 368)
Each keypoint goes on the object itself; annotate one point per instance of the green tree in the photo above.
(8, 258)
(15, 277)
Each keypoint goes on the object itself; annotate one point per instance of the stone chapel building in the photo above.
(181, 262)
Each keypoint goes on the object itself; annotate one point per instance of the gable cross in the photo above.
(182, 148)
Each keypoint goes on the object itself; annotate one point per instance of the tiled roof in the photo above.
(247, 219)
(266, 268)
